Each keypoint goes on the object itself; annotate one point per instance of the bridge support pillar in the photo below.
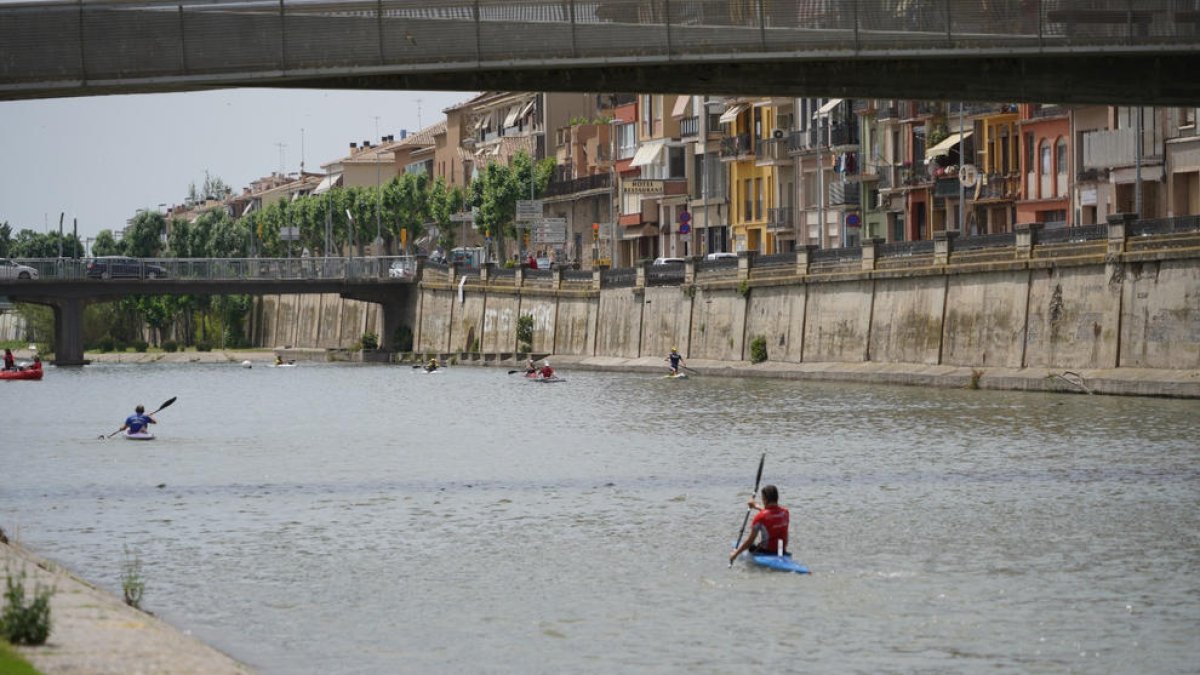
(394, 314)
(68, 332)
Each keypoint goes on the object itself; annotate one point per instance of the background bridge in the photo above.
(1142, 52)
(66, 286)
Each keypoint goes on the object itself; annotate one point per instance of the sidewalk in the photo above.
(94, 633)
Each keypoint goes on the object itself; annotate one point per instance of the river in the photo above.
(375, 519)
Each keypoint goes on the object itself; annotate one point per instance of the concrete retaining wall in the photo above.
(1100, 314)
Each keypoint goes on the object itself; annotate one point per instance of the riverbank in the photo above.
(1111, 381)
(96, 633)
(1156, 382)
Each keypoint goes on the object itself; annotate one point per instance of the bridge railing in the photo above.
(110, 41)
(217, 269)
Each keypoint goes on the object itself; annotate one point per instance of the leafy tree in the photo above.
(497, 190)
(5, 240)
(143, 238)
(444, 201)
(407, 205)
(106, 244)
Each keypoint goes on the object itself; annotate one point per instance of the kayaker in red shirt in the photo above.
(547, 371)
(769, 529)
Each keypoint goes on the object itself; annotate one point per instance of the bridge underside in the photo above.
(1110, 79)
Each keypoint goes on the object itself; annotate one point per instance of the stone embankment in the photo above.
(96, 633)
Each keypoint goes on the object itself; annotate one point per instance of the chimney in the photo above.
(366, 144)
(353, 146)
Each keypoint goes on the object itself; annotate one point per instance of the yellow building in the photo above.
(752, 184)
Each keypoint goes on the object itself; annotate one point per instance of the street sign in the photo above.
(529, 209)
(550, 231)
(289, 234)
(685, 220)
(465, 217)
(852, 220)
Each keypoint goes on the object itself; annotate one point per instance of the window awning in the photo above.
(681, 106)
(511, 118)
(731, 113)
(947, 143)
(527, 109)
(328, 183)
(828, 107)
(648, 153)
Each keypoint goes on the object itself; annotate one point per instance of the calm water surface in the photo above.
(373, 519)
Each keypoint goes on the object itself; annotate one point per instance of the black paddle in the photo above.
(757, 480)
(165, 404)
(690, 370)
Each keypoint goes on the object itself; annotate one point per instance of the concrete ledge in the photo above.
(1112, 381)
(94, 632)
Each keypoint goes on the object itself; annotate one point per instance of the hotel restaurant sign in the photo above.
(644, 187)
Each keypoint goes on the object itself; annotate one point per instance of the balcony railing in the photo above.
(843, 134)
(775, 149)
(599, 181)
(844, 193)
(781, 218)
(999, 186)
(741, 145)
(689, 127)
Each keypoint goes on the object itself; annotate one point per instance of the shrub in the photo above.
(170, 346)
(105, 344)
(525, 333)
(131, 580)
(21, 623)
(141, 346)
(370, 341)
(758, 349)
(204, 346)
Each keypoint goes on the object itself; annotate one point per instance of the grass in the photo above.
(11, 662)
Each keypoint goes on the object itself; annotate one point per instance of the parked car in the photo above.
(121, 267)
(668, 261)
(14, 270)
(719, 255)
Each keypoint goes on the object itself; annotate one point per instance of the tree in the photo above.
(105, 244)
(406, 201)
(143, 239)
(5, 240)
(497, 190)
(444, 201)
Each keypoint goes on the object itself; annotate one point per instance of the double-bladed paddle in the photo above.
(165, 404)
(757, 480)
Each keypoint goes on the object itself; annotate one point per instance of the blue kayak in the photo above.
(782, 563)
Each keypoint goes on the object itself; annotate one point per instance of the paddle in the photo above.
(690, 370)
(165, 404)
(757, 480)
(515, 371)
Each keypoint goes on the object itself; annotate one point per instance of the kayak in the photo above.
(677, 376)
(27, 374)
(548, 380)
(139, 436)
(781, 563)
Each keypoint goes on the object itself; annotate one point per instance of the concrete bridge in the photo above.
(1143, 52)
(68, 286)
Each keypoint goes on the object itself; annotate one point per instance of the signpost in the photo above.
(529, 210)
(550, 231)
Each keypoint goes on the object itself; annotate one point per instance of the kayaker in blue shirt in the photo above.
(138, 421)
(676, 359)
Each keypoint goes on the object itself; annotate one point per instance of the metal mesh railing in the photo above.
(146, 40)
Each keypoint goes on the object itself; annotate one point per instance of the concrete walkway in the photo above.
(94, 633)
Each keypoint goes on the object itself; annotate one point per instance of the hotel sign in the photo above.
(644, 187)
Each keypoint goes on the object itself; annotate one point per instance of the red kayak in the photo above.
(33, 372)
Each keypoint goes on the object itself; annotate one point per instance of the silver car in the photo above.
(14, 270)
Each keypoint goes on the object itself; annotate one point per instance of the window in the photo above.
(645, 106)
(1046, 174)
(758, 198)
(1044, 151)
(626, 141)
(1060, 162)
(1029, 163)
(1187, 117)
(747, 200)
(676, 158)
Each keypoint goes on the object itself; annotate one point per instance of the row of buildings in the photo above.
(649, 175)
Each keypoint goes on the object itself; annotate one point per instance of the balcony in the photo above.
(689, 127)
(843, 135)
(946, 187)
(844, 193)
(600, 181)
(998, 187)
(737, 147)
(887, 113)
(781, 219)
(773, 150)
(916, 174)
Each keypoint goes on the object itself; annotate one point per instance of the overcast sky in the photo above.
(100, 159)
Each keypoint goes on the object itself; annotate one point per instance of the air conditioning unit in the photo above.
(882, 201)
(778, 133)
